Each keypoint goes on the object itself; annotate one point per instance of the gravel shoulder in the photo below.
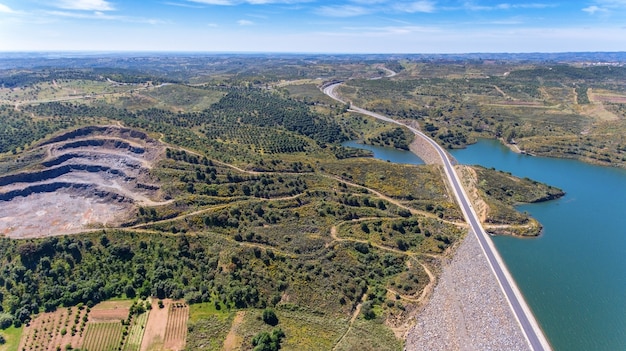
(467, 310)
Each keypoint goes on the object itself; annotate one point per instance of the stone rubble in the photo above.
(467, 310)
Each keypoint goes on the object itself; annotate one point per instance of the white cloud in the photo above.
(182, 4)
(393, 30)
(86, 5)
(593, 9)
(98, 15)
(245, 23)
(5, 9)
(417, 6)
(251, 2)
(343, 11)
(605, 6)
(470, 5)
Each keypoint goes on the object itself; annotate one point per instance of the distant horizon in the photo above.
(297, 53)
(313, 26)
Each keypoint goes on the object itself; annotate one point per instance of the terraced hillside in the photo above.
(91, 177)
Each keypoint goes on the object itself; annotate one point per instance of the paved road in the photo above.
(533, 333)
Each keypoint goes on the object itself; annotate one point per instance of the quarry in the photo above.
(91, 178)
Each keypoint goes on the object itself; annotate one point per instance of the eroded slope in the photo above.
(92, 177)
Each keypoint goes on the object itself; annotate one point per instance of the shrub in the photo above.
(265, 341)
(5, 320)
(269, 317)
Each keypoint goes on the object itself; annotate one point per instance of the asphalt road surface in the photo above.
(530, 328)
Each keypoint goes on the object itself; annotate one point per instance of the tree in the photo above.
(365, 228)
(265, 341)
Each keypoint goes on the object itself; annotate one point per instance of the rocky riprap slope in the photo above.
(467, 310)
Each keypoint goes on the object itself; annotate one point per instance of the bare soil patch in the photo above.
(470, 179)
(605, 96)
(596, 108)
(92, 177)
(110, 311)
(233, 340)
(53, 329)
(166, 328)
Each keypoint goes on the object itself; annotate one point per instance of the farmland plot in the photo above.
(53, 330)
(166, 328)
(176, 330)
(135, 333)
(104, 336)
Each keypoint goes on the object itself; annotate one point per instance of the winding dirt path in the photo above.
(412, 256)
(233, 341)
(355, 315)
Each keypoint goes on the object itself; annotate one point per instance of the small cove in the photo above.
(574, 275)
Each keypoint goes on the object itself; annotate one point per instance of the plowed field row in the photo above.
(176, 331)
(135, 334)
(105, 336)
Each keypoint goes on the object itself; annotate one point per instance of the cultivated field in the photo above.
(55, 329)
(176, 330)
(135, 333)
(166, 328)
(107, 326)
(103, 336)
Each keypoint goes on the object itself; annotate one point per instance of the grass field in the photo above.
(208, 326)
(12, 337)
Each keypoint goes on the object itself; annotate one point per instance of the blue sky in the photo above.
(344, 26)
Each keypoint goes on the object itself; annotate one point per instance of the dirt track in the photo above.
(92, 177)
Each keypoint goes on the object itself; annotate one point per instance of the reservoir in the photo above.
(387, 153)
(574, 275)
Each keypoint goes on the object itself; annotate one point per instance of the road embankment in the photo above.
(467, 310)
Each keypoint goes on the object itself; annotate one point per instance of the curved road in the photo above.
(530, 328)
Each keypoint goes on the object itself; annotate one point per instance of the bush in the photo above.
(269, 317)
(5, 320)
(367, 311)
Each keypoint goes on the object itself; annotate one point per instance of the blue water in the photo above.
(574, 275)
(387, 153)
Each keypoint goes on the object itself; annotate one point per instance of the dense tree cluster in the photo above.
(18, 129)
(397, 137)
(265, 109)
(20, 78)
(42, 275)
